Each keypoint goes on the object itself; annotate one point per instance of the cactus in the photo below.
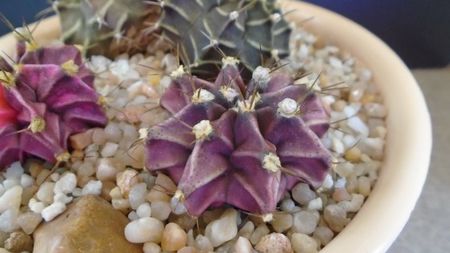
(47, 95)
(106, 27)
(232, 143)
(206, 30)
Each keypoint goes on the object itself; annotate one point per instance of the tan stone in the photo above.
(81, 140)
(18, 242)
(89, 225)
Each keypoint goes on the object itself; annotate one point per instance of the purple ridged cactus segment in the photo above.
(51, 92)
(228, 144)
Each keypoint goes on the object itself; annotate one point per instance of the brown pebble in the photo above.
(35, 169)
(28, 193)
(43, 175)
(18, 242)
(353, 155)
(3, 237)
(81, 140)
(173, 238)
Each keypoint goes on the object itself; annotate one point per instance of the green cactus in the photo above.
(206, 30)
(107, 27)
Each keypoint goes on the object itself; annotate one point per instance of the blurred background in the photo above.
(419, 31)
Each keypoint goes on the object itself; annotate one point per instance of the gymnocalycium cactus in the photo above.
(47, 95)
(106, 27)
(243, 145)
(207, 29)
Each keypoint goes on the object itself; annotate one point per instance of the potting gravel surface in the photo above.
(109, 163)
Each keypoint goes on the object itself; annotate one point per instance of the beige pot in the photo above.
(408, 146)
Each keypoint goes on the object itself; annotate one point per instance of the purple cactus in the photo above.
(237, 144)
(48, 94)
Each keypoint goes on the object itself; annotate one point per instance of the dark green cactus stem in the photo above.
(107, 27)
(206, 30)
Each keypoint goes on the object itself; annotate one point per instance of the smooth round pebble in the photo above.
(282, 222)
(145, 229)
(144, 210)
(137, 195)
(243, 245)
(302, 243)
(303, 194)
(274, 243)
(323, 234)
(305, 222)
(223, 229)
(336, 217)
(161, 210)
(173, 238)
(151, 247)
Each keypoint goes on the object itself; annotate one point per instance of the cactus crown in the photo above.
(208, 29)
(47, 94)
(236, 143)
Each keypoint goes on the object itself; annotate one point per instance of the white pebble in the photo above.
(243, 245)
(151, 247)
(160, 210)
(328, 182)
(356, 124)
(54, 177)
(8, 220)
(137, 195)
(202, 243)
(15, 170)
(354, 204)
(305, 222)
(86, 169)
(282, 222)
(223, 229)
(66, 184)
(146, 229)
(53, 210)
(2, 189)
(315, 204)
(340, 183)
(337, 146)
(26, 180)
(302, 193)
(302, 243)
(120, 204)
(62, 198)
(93, 187)
(287, 205)
(144, 210)
(372, 147)
(99, 63)
(77, 192)
(336, 217)
(11, 199)
(376, 110)
(259, 233)
(10, 183)
(36, 206)
(113, 132)
(106, 170)
(324, 235)
(109, 149)
(133, 216)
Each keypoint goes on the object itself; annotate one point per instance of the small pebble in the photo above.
(11, 199)
(173, 238)
(274, 243)
(125, 180)
(120, 204)
(161, 210)
(137, 195)
(302, 243)
(18, 241)
(151, 247)
(113, 132)
(26, 181)
(336, 217)
(109, 149)
(60, 197)
(8, 220)
(53, 210)
(143, 230)
(282, 222)
(303, 194)
(324, 235)
(364, 186)
(203, 244)
(222, 230)
(305, 222)
(259, 233)
(144, 210)
(187, 250)
(29, 221)
(93, 187)
(315, 204)
(106, 169)
(15, 170)
(247, 230)
(36, 206)
(81, 140)
(243, 245)
(133, 216)
(66, 184)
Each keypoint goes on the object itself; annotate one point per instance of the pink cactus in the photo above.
(48, 95)
(228, 143)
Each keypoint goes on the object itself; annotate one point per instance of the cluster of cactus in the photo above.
(204, 30)
(46, 95)
(236, 143)
(106, 27)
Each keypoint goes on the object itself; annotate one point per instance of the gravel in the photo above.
(109, 162)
